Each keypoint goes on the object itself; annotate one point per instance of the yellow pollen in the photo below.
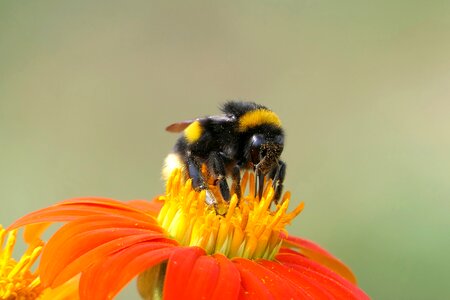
(248, 228)
(16, 279)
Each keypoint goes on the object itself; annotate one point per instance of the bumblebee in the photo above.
(247, 136)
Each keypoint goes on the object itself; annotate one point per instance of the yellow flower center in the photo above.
(16, 279)
(246, 228)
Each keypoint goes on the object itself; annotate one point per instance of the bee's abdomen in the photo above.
(173, 161)
(193, 132)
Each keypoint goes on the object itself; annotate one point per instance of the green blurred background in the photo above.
(362, 88)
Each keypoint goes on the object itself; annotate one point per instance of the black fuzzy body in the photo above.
(223, 148)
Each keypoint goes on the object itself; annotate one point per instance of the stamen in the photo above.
(245, 227)
(16, 279)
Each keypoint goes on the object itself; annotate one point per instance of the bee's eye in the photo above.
(255, 147)
(258, 140)
(279, 139)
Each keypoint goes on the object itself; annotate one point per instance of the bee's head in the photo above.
(265, 151)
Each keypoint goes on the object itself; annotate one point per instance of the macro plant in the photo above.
(182, 248)
(18, 281)
(201, 239)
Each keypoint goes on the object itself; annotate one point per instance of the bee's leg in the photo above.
(277, 175)
(237, 181)
(273, 174)
(198, 183)
(259, 183)
(216, 165)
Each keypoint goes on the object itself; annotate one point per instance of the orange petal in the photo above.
(279, 287)
(81, 236)
(151, 207)
(340, 287)
(34, 231)
(320, 255)
(73, 209)
(104, 202)
(107, 277)
(84, 261)
(67, 291)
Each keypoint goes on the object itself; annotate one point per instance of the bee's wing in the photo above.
(220, 119)
(180, 126)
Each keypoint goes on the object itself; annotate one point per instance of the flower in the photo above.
(17, 281)
(185, 249)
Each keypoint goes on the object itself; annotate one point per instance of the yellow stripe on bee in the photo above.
(258, 117)
(193, 132)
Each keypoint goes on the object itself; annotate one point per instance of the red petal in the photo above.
(180, 265)
(106, 278)
(251, 285)
(302, 243)
(331, 281)
(202, 279)
(279, 287)
(311, 288)
(229, 281)
(193, 275)
(320, 255)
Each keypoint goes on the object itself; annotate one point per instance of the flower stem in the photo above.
(150, 283)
